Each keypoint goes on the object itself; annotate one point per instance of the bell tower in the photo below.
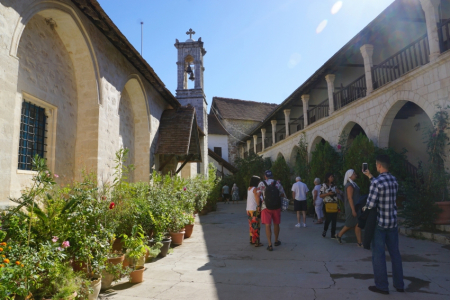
(190, 86)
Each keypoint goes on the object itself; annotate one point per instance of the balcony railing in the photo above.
(346, 95)
(444, 35)
(412, 56)
(299, 124)
(411, 169)
(318, 112)
(258, 147)
(267, 142)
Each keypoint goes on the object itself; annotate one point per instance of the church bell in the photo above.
(189, 70)
(191, 77)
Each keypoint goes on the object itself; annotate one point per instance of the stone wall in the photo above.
(238, 129)
(89, 76)
(126, 129)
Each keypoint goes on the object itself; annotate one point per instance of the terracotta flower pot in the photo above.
(140, 262)
(96, 285)
(78, 266)
(444, 216)
(125, 263)
(177, 237)
(189, 229)
(116, 260)
(165, 247)
(137, 276)
(107, 280)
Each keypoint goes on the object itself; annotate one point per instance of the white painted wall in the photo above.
(216, 140)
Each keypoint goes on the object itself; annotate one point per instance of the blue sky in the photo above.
(257, 50)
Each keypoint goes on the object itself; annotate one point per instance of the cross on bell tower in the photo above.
(191, 53)
(190, 33)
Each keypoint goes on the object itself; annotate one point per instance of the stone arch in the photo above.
(349, 132)
(280, 155)
(312, 145)
(134, 95)
(293, 155)
(64, 20)
(392, 107)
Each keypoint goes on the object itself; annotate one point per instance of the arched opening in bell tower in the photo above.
(188, 71)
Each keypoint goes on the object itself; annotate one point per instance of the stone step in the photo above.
(441, 238)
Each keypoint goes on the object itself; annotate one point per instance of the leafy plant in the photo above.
(135, 244)
(281, 172)
(301, 167)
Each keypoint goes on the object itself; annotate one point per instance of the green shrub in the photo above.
(281, 172)
(301, 167)
(247, 167)
(324, 159)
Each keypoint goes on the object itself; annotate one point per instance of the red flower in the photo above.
(111, 205)
(339, 147)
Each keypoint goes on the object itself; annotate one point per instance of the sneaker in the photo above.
(298, 225)
(333, 237)
(324, 233)
(339, 239)
(304, 224)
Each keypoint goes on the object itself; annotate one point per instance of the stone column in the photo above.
(305, 100)
(274, 131)
(330, 84)
(263, 136)
(255, 141)
(287, 119)
(241, 151)
(249, 142)
(367, 53)
(430, 7)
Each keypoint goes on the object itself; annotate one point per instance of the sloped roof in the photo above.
(242, 109)
(95, 13)
(222, 161)
(179, 135)
(214, 126)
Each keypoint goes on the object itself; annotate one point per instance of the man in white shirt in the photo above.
(299, 190)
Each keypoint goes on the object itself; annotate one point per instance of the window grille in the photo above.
(32, 134)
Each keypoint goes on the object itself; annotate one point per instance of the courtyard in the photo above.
(217, 262)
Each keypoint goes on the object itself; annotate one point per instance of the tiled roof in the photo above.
(178, 134)
(242, 109)
(222, 161)
(214, 126)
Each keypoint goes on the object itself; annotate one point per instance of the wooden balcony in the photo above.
(346, 95)
(412, 56)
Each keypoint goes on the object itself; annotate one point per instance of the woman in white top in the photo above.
(318, 202)
(254, 211)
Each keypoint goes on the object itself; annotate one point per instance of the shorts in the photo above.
(226, 196)
(300, 205)
(267, 215)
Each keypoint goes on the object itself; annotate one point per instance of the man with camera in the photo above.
(382, 197)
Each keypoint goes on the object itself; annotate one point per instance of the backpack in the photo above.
(272, 198)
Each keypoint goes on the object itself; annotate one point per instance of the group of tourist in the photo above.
(234, 192)
(264, 207)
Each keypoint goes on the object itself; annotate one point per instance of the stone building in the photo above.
(74, 90)
(238, 118)
(387, 83)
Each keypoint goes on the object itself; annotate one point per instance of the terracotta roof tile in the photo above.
(214, 126)
(178, 135)
(242, 109)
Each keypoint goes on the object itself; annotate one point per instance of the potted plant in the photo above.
(136, 250)
(189, 227)
(176, 226)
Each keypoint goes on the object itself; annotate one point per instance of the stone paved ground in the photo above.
(218, 263)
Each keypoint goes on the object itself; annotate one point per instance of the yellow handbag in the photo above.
(331, 207)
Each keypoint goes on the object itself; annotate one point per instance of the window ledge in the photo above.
(26, 172)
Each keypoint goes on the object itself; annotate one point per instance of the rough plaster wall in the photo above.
(239, 129)
(404, 135)
(46, 71)
(126, 128)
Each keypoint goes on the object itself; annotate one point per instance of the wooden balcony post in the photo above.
(430, 7)
(263, 136)
(274, 131)
(255, 142)
(287, 119)
(305, 100)
(330, 84)
(367, 53)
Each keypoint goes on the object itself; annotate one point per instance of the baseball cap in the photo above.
(268, 174)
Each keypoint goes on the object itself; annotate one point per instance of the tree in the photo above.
(247, 167)
(281, 172)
